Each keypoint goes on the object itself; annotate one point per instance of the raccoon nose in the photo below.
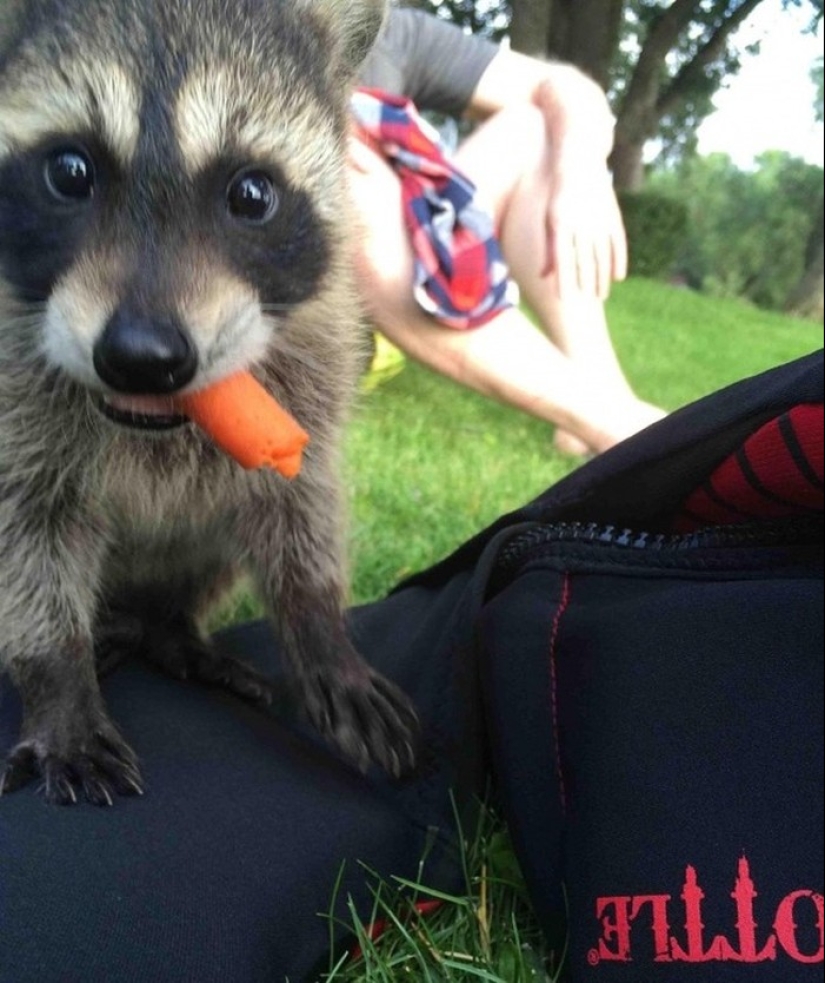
(140, 354)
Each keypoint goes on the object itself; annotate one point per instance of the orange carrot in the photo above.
(250, 425)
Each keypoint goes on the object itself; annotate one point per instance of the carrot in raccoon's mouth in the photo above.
(237, 413)
(244, 420)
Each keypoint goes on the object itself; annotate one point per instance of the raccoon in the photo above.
(173, 209)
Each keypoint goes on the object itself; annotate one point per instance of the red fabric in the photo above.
(461, 278)
(377, 929)
(778, 471)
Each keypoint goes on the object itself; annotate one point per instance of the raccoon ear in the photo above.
(354, 24)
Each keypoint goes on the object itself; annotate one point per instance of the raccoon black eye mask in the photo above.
(174, 218)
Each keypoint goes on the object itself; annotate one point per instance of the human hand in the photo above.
(586, 241)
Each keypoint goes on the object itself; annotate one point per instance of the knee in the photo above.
(383, 256)
(505, 147)
(524, 123)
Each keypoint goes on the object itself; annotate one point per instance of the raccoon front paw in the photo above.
(367, 717)
(96, 766)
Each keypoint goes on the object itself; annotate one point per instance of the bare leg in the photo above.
(547, 375)
(513, 186)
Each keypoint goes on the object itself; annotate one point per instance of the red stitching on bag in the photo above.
(554, 635)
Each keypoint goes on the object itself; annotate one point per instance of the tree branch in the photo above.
(638, 111)
(706, 55)
(663, 36)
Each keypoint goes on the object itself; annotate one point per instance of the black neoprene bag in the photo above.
(636, 660)
(650, 643)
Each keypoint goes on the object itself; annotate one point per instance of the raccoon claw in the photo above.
(19, 769)
(237, 677)
(369, 719)
(105, 767)
(180, 652)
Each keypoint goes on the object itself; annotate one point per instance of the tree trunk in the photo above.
(591, 35)
(807, 297)
(651, 94)
(530, 26)
(583, 32)
(627, 163)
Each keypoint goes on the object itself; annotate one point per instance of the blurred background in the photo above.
(719, 135)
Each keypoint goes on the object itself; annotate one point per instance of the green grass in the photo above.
(487, 933)
(430, 464)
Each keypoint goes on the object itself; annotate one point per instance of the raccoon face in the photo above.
(171, 181)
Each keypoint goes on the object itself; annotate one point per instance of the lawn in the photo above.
(429, 464)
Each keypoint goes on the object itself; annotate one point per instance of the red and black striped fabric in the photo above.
(778, 471)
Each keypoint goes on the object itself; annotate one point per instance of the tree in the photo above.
(489, 18)
(684, 54)
(584, 32)
(747, 230)
(807, 297)
(819, 99)
(660, 60)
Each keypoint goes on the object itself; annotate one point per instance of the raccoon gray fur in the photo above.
(172, 210)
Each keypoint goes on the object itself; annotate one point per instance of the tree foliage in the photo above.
(808, 295)
(685, 94)
(819, 101)
(487, 18)
(685, 50)
(661, 60)
(748, 232)
(656, 227)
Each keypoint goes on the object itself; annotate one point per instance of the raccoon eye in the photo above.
(251, 197)
(69, 174)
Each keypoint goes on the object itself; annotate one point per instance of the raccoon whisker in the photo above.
(277, 308)
(29, 318)
(18, 308)
(91, 420)
(225, 343)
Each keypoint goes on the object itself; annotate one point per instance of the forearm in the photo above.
(576, 112)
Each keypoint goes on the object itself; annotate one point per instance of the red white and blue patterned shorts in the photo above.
(461, 278)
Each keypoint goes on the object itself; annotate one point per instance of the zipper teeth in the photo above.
(764, 534)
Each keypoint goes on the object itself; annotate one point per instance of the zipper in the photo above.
(791, 534)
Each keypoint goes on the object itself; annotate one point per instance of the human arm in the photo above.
(428, 60)
(586, 243)
(442, 68)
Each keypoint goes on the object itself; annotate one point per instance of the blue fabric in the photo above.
(665, 726)
(222, 872)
